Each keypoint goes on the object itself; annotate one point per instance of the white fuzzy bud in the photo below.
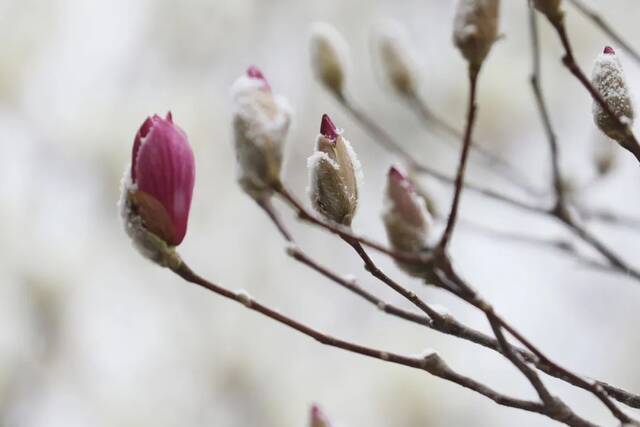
(333, 175)
(397, 59)
(475, 29)
(608, 79)
(260, 124)
(329, 57)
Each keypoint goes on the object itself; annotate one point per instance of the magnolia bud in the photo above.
(334, 173)
(318, 418)
(329, 57)
(475, 29)
(260, 124)
(157, 189)
(551, 8)
(397, 59)
(608, 79)
(405, 217)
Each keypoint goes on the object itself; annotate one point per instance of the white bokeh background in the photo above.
(91, 334)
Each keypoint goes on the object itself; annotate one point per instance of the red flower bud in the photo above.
(161, 180)
(608, 50)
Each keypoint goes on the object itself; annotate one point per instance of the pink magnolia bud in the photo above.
(406, 219)
(608, 78)
(260, 123)
(158, 187)
(334, 173)
(475, 29)
(318, 418)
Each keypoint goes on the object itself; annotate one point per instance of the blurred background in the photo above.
(92, 334)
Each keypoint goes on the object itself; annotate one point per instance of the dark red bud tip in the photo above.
(396, 174)
(255, 73)
(328, 129)
(169, 117)
(315, 410)
(608, 50)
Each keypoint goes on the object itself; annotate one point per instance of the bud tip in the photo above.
(608, 50)
(254, 72)
(327, 128)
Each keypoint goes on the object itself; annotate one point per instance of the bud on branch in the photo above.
(260, 124)
(475, 29)
(333, 174)
(157, 189)
(608, 79)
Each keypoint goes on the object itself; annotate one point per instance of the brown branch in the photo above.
(443, 323)
(466, 145)
(431, 363)
(346, 233)
(606, 28)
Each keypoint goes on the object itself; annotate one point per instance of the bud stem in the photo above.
(459, 183)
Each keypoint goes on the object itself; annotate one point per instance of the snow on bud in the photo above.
(551, 8)
(329, 57)
(608, 79)
(318, 418)
(475, 29)
(157, 189)
(405, 215)
(260, 124)
(334, 175)
(397, 59)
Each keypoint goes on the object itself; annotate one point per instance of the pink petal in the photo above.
(165, 170)
(402, 194)
(608, 50)
(255, 73)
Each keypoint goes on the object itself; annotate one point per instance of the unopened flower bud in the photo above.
(397, 59)
(329, 57)
(334, 175)
(475, 29)
(551, 8)
(318, 418)
(405, 216)
(157, 189)
(608, 79)
(260, 124)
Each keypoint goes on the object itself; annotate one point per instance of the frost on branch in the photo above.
(608, 79)
(260, 124)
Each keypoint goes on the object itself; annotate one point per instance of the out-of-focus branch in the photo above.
(504, 169)
(605, 27)
(464, 154)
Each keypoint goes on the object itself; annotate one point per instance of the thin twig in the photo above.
(431, 363)
(505, 170)
(464, 154)
(443, 323)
